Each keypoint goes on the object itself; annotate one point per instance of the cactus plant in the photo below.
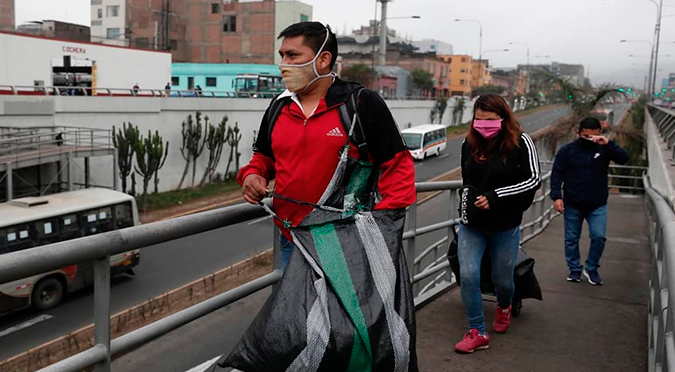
(151, 154)
(233, 138)
(215, 141)
(192, 145)
(125, 141)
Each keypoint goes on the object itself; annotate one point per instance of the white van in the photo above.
(425, 140)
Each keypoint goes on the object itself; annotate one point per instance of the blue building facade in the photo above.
(214, 77)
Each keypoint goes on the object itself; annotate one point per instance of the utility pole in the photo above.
(383, 33)
(656, 48)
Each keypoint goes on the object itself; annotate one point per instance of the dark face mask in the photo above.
(587, 144)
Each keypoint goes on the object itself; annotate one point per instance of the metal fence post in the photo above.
(410, 247)
(102, 308)
(451, 236)
(542, 206)
(10, 182)
(116, 170)
(534, 218)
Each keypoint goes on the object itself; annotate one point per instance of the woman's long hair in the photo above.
(506, 141)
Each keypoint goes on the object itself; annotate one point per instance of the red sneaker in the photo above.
(502, 320)
(473, 341)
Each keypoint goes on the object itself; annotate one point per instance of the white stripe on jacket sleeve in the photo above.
(533, 181)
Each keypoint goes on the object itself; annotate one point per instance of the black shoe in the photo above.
(593, 277)
(574, 277)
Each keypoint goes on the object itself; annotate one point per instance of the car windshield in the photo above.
(413, 140)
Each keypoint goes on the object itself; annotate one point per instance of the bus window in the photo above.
(427, 138)
(105, 220)
(123, 216)
(88, 220)
(18, 238)
(45, 228)
(412, 140)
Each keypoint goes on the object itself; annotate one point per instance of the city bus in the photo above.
(34, 221)
(606, 117)
(425, 140)
(258, 85)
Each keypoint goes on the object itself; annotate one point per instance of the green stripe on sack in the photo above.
(356, 189)
(335, 267)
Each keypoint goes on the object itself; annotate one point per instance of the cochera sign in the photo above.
(72, 49)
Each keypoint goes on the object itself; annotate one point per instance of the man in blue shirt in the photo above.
(580, 168)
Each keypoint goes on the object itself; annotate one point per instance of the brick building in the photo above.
(6, 14)
(198, 31)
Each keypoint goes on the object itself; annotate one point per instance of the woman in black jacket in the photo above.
(500, 172)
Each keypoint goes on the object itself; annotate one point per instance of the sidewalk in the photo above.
(578, 327)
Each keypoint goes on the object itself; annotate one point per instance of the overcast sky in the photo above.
(569, 31)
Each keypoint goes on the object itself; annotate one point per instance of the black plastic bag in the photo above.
(526, 283)
(344, 303)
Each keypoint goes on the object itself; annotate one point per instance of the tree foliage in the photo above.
(422, 80)
(488, 89)
(581, 100)
(360, 73)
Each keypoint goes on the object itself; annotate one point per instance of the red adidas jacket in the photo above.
(304, 152)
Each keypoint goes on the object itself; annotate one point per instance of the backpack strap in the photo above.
(349, 114)
(275, 111)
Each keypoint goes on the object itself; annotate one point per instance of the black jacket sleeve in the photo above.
(521, 193)
(616, 153)
(381, 132)
(558, 173)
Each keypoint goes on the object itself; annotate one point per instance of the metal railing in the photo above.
(664, 119)
(14, 143)
(22, 90)
(429, 269)
(661, 321)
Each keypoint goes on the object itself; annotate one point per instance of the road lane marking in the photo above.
(202, 367)
(259, 220)
(444, 156)
(26, 324)
(419, 165)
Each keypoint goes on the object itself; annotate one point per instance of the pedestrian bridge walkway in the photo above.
(578, 327)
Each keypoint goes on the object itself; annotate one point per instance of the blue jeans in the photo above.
(286, 248)
(503, 248)
(597, 226)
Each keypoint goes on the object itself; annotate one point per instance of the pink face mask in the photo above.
(488, 128)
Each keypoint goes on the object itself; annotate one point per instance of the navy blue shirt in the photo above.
(580, 168)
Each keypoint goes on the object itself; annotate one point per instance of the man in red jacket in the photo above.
(301, 149)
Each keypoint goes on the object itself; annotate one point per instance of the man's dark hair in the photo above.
(589, 123)
(314, 34)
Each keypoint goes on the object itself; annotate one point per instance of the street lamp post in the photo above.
(480, 35)
(650, 80)
(527, 61)
(382, 60)
(480, 63)
(383, 34)
(656, 47)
